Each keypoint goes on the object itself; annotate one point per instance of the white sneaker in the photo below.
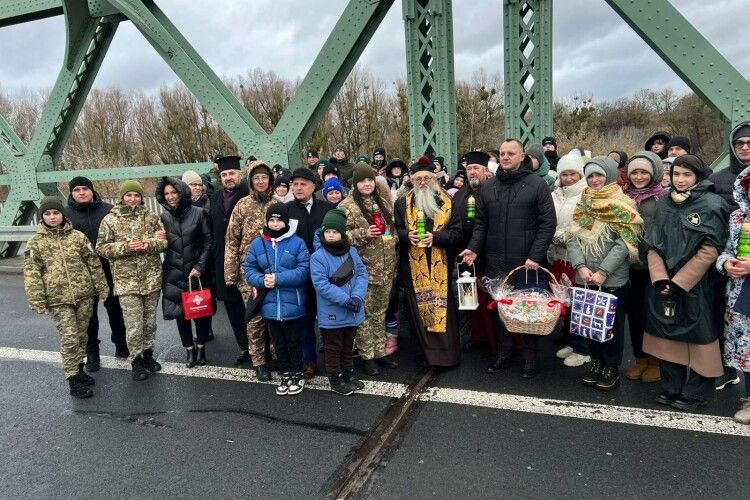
(296, 384)
(283, 388)
(564, 352)
(576, 359)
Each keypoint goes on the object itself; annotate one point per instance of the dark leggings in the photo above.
(610, 352)
(185, 329)
(236, 314)
(287, 341)
(679, 379)
(339, 347)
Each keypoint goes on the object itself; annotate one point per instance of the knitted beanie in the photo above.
(332, 184)
(603, 165)
(80, 181)
(49, 203)
(361, 172)
(570, 163)
(679, 141)
(335, 219)
(131, 186)
(278, 210)
(191, 176)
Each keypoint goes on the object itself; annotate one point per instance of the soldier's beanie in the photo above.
(278, 210)
(335, 219)
(191, 176)
(281, 181)
(261, 168)
(603, 165)
(378, 151)
(49, 203)
(80, 181)
(131, 185)
(343, 148)
(331, 169)
(361, 172)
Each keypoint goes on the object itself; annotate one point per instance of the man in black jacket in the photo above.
(85, 211)
(221, 205)
(514, 227)
(309, 212)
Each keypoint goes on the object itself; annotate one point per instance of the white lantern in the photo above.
(468, 299)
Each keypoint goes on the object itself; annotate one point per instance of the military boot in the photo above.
(348, 376)
(139, 369)
(149, 362)
(77, 389)
(93, 363)
(84, 377)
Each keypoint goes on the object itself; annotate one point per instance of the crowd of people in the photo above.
(339, 257)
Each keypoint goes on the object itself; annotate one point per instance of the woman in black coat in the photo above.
(187, 257)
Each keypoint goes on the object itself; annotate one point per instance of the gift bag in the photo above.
(593, 314)
(197, 303)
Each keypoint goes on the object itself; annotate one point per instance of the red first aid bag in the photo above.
(197, 303)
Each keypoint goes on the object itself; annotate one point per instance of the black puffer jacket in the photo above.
(515, 220)
(188, 246)
(724, 179)
(86, 218)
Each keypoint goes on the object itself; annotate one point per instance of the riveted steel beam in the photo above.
(11, 146)
(430, 77)
(139, 172)
(331, 67)
(527, 33)
(22, 11)
(224, 107)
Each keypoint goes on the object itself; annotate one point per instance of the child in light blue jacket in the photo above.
(278, 265)
(340, 280)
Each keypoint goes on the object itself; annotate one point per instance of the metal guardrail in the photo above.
(24, 233)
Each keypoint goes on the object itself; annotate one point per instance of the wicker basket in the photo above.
(524, 312)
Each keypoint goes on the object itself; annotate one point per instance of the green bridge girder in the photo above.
(91, 25)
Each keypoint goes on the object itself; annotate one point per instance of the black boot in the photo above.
(149, 362)
(190, 360)
(348, 376)
(386, 362)
(339, 386)
(122, 352)
(243, 358)
(262, 373)
(200, 355)
(84, 377)
(139, 369)
(529, 369)
(78, 389)
(498, 364)
(371, 368)
(93, 363)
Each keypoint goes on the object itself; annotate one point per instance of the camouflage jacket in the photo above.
(136, 273)
(245, 224)
(61, 267)
(380, 256)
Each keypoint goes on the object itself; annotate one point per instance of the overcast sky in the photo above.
(595, 52)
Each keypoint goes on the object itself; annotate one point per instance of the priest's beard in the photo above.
(424, 200)
(475, 183)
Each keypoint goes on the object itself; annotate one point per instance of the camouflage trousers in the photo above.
(257, 334)
(371, 334)
(72, 322)
(139, 313)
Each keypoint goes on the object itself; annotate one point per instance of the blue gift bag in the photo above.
(592, 314)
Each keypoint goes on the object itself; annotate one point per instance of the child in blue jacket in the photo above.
(340, 280)
(280, 264)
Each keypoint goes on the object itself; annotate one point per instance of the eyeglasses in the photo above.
(741, 144)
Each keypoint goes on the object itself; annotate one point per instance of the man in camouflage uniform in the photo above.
(379, 255)
(246, 224)
(62, 275)
(131, 237)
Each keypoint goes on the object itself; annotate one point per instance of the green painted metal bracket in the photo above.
(430, 77)
(236, 121)
(22, 11)
(527, 32)
(689, 54)
(11, 146)
(331, 67)
(140, 172)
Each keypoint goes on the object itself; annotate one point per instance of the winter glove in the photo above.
(354, 304)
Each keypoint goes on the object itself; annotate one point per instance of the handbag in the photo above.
(197, 303)
(252, 307)
(344, 273)
(593, 314)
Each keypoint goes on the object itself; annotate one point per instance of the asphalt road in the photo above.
(216, 432)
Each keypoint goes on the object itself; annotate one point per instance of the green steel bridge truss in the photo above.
(527, 31)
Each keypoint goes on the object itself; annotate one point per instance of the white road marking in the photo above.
(590, 411)
(554, 407)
